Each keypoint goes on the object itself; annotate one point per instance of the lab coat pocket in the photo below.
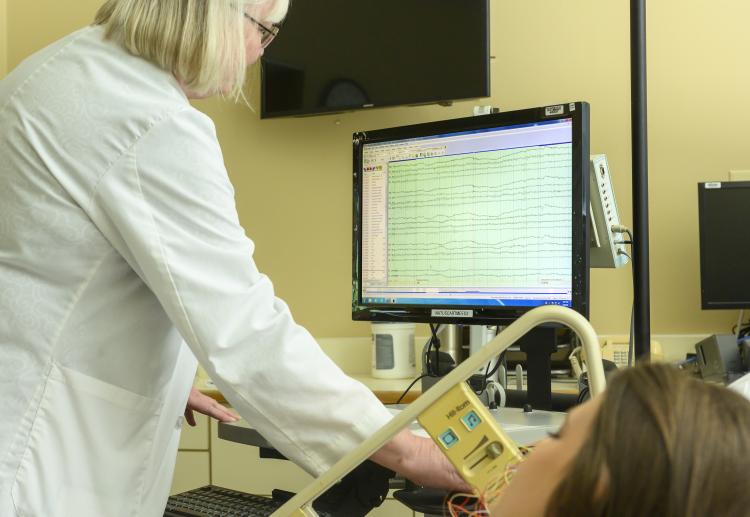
(88, 449)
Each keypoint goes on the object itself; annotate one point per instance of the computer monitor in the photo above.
(474, 220)
(723, 215)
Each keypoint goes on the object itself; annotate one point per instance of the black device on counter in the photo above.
(720, 358)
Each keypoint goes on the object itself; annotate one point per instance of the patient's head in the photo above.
(656, 443)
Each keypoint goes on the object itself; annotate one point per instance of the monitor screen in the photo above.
(474, 220)
(335, 55)
(723, 214)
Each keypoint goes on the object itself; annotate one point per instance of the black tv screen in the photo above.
(335, 55)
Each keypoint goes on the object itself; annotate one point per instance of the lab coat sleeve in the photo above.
(168, 208)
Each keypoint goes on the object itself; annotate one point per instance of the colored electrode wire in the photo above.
(469, 505)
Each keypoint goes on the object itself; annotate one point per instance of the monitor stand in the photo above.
(538, 345)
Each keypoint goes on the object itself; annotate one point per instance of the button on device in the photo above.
(448, 438)
(495, 450)
(471, 420)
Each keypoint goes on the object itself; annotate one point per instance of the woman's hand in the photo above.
(421, 461)
(204, 404)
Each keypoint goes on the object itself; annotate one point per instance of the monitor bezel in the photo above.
(579, 113)
(707, 304)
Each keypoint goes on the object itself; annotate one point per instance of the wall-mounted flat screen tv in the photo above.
(339, 55)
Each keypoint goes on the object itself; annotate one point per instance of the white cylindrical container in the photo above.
(393, 355)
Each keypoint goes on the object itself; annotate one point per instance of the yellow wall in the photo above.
(293, 176)
(3, 37)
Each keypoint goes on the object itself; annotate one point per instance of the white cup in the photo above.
(393, 354)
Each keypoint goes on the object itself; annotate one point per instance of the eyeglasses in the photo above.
(267, 34)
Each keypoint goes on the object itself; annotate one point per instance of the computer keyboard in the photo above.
(214, 501)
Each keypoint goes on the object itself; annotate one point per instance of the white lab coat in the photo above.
(119, 243)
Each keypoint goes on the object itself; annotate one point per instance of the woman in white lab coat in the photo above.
(122, 261)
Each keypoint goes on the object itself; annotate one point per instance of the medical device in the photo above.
(607, 237)
(443, 394)
(471, 438)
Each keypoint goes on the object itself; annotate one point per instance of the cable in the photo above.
(496, 396)
(739, 323)
(496, 367)
(477, 504)
(485, 376)
(744, 329)
(432, 370)
(618, 228)
(575, 364)
(426, 358)
(631, 340)
(410, 387)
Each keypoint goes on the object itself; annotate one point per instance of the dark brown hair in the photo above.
(663, 444)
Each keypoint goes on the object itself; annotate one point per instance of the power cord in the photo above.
(738, 327)
(744, 329)
(433, 370)
(631, 340)
(411, 386)
(618, 228)
(489, 373)
(495, 368)
(575, 362)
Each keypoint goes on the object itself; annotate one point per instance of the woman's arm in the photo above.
(168, 208)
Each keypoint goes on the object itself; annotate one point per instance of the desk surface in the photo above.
(523, 428)
(387, 391)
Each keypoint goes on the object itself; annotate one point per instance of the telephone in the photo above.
(616, 350)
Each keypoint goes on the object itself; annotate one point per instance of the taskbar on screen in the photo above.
(465, 302)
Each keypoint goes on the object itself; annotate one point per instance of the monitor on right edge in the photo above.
(724, 221)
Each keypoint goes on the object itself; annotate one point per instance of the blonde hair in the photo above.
(201, 42)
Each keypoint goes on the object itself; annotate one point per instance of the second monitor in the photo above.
(474, 220)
